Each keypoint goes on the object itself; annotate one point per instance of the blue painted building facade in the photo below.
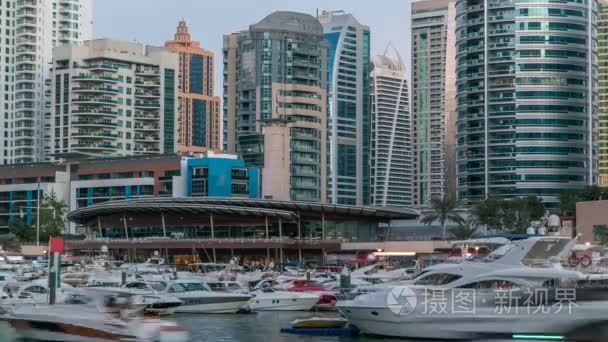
(220, 176)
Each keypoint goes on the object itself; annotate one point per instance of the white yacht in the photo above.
(34, 292)
(269, 299)
(196, 297)
(502, 292)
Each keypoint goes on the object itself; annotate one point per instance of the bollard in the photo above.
(344, 279)
(123, 278)
(52, 287)
(308, 275)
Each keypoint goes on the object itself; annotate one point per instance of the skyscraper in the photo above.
(433, 102)
(602, 55)
(527, 92)
(391, 150)
(275, 81)
(349, 112)
(113, 98)
(198, 119)
(30, 30)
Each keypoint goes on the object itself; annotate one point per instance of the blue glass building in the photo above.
(349, 109)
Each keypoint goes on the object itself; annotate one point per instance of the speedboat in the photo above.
(196, 297)
(269, 299)
(503, 297)
(89, 323)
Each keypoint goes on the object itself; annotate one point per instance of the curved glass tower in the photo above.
(526, 91)
(391, 150)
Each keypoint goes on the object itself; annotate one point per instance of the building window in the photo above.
(239, 189)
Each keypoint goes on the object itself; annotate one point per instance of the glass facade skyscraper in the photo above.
(433, 100)
(526, 97)
(30, 30)
(275, 104)
(602, 52)
(198, 117)
(391, 149)
(349, 111)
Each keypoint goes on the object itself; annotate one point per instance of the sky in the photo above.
(154, 21)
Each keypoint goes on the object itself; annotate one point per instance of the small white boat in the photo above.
(271, 300)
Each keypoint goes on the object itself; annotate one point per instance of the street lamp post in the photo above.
(22, 215)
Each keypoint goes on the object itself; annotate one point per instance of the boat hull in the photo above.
(49, 331)
(484, 323)
(295, 304)
(213, 308)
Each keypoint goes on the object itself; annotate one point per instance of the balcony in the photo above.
(145, 128)
(147, 117)
(146, 138)
(102, 66)
(95, 90)
(146, 72)
(95, 78)
(147, 94)
(147, 83)
(92, 111)
(94, 146)
(95, 135)
(96, 101)
(154, 105)
(26, 22)
(105, 123)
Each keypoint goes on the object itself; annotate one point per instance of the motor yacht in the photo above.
(34, 292)
(515, 273)
(197, 297)
(269, 299)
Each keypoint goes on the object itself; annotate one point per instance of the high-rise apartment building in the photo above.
(275, 104)
(602, 55)
(391, 149)
(527, 97)
(433, 99)
(349, 111)
(113, 98)
(30, 30)
(198, 120)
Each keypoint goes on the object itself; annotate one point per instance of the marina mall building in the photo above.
(209, 204)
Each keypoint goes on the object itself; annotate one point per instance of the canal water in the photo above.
(262, 326)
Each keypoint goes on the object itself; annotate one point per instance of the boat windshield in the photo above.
(187, 287)
(497, 253)
(234, 286)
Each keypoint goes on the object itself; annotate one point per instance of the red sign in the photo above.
(56, 245)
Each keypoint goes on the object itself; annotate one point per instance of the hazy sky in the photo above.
(154, 21)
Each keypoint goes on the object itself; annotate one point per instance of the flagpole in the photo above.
(38, 214)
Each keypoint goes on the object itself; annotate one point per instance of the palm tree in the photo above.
(466, 230)
(442, 210)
